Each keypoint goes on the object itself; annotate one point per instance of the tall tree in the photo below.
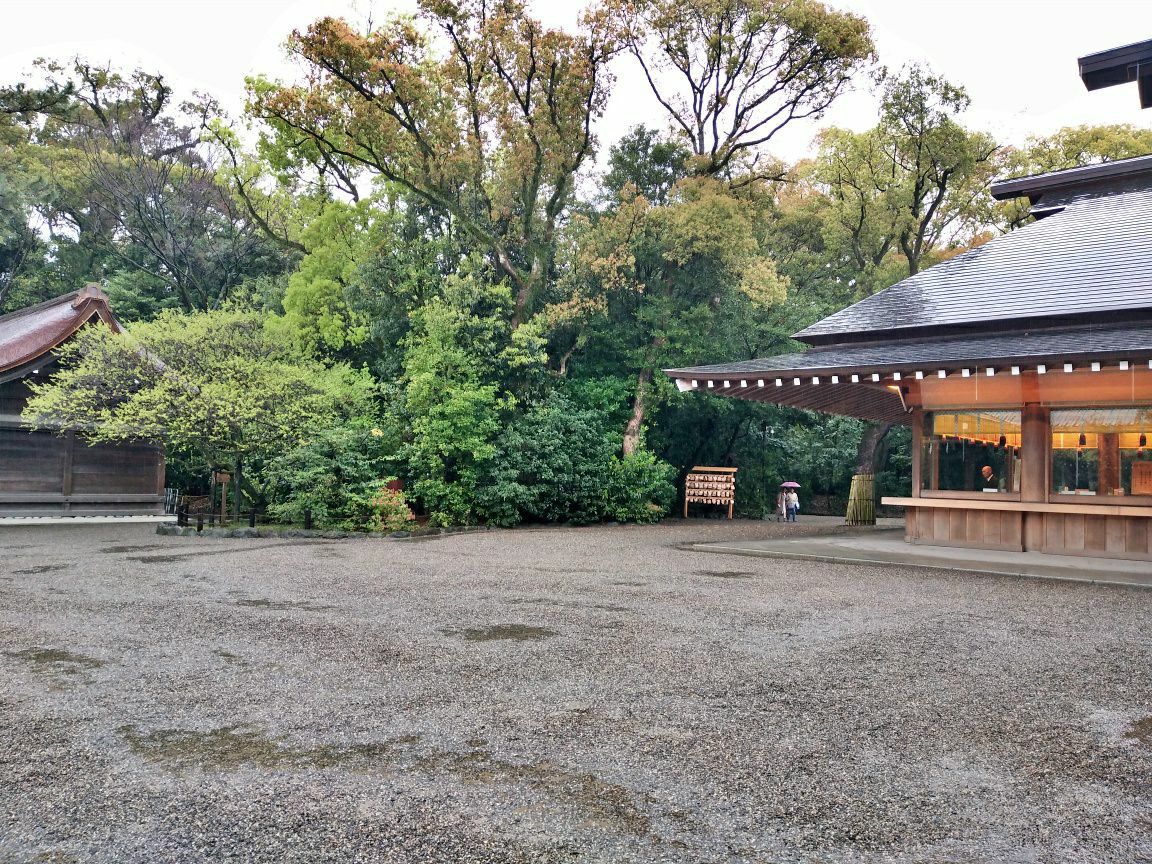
(899, 193)
(481, 112)
(732, 73)
(668, 282)
(911, 185)
(126, 185)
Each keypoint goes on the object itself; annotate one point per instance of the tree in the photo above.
(646, 160)
(900, 192)
(490, 123)
(911, 185)
(667, 280)
(127, 184)
(214, 387)
(732, 73)
(457, 391)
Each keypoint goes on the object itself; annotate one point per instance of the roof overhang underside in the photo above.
(870, 381)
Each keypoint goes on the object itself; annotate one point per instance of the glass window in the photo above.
(1102, 451)
(971, 451)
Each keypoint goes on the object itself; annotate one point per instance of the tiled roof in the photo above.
(1092, 256)
(1099, 342)
(28, 334)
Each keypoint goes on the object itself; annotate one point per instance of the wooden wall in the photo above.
(43, 474)
(1101, 536)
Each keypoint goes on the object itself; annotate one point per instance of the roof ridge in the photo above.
(70, 297)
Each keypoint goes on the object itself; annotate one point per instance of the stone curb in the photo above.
(172, 530)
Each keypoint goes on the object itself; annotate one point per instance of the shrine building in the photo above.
(1024, 368)
(43, 472)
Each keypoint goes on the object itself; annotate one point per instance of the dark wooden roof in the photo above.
(28, 335)
(1120, 66)
(1077, 344)
(1093, 179)
(1089, 257)
(1075, 287)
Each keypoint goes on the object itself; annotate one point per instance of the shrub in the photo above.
(559, 462)
(390, 511)
(335, 474)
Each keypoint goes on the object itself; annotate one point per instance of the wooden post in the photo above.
(1035, 441)
(66, 480)
(1108, 456)
(917, 451)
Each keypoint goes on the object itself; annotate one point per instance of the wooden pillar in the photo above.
(1108, 460)
(917, 450)
(1035, 442)
(66, 479)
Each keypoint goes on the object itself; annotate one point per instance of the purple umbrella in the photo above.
(790, 484)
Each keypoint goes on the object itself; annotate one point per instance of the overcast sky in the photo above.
(1017, 58)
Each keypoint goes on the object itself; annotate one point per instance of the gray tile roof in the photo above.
(1093, 256)
(1133, 341)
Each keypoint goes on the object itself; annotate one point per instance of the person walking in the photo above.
(793, 504)
(782, 505)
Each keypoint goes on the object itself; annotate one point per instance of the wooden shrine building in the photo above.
(43, 473)
(1030, 356)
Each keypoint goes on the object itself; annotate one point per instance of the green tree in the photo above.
(669, 281)
(732, 73)
(477, 110)
(215, 387)
(910, 186)
(125, 184)
(460, 366)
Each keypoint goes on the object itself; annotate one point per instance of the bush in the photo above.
(390, 511)
(559, 462)
(336, 474)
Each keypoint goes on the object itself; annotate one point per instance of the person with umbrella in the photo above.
(791, 499)
(782, 504)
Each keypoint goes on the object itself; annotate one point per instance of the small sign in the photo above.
(710, 485)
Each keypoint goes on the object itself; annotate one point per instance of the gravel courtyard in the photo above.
(561, 695)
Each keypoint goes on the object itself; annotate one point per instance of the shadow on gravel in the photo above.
(498, 632)
(231, 747)
(566, 604)
(56, 660)
(1141, 730)
(607, 803)
(726, 574)
(41, 568)
(200, 553)
(284, 605)
(113, 549)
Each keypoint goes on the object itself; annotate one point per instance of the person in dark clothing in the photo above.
(988, 479)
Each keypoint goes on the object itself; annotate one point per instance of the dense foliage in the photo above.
(407, 266)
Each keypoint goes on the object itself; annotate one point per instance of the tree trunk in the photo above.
(639, 406)
(862, 494)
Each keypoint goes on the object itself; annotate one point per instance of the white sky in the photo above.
(1017, 58)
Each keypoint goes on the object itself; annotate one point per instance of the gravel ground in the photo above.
(566, 695)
